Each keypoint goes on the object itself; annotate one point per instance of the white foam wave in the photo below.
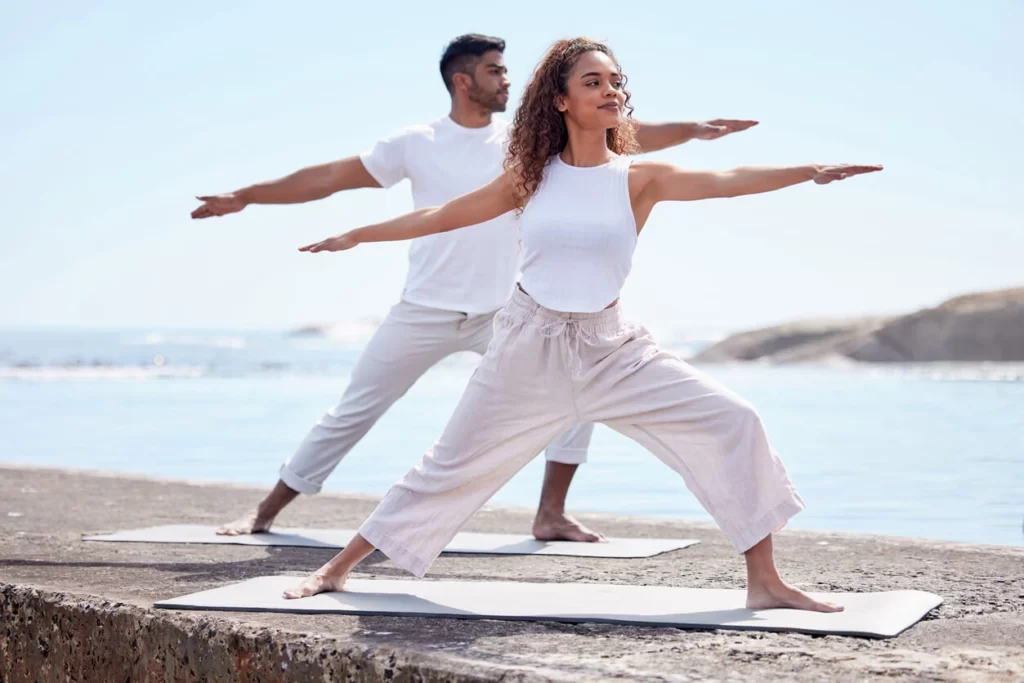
(969, 372)
(51, 373)
(216, 341)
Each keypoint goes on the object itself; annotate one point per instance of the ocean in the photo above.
(931, 452)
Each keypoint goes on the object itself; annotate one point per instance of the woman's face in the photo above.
(595, 98)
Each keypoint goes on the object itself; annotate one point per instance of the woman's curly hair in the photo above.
(538, 131)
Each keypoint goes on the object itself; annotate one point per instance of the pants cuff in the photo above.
(397, 552)
(774, 520)
(297, 483)
(566, 456)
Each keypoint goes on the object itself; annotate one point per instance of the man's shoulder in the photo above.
(440, 126)
(415, 131)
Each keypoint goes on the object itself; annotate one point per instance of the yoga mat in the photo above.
(471, 543)
(873, 615)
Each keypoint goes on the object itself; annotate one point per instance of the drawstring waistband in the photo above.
(523, 308)
(574, 332)
(576, 328)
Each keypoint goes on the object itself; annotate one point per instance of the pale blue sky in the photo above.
(114, 117)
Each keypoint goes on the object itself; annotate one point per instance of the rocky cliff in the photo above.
(987, 326)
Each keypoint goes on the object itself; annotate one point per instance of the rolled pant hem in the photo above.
(297, 483)
(395, 551)
(770, 522)
(566, 456)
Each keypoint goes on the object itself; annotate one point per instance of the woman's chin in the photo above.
(611, 117)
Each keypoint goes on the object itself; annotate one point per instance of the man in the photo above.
(455, 284)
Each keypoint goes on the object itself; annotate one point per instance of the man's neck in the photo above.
(470, 115)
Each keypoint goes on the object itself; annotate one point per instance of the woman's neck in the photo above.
(587, 148)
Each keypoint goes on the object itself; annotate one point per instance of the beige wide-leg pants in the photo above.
(546, 371)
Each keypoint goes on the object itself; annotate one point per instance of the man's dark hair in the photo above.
(462, 54)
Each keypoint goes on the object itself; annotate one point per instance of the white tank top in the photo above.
(578, 236)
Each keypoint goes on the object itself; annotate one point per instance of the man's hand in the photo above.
(828, 174)
(338, 243)
(219, 205)
(716, 128)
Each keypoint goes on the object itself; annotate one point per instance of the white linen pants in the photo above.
(546, 371)
(409, 342)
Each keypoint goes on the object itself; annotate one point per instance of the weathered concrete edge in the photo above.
(57, 636)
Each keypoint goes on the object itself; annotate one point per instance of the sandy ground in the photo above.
(977, 634)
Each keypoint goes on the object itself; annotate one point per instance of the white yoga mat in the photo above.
(472, 543)
(874, 615)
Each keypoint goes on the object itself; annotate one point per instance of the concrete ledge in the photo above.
(51, 636)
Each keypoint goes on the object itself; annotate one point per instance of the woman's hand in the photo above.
(340, 242)
(827, 174)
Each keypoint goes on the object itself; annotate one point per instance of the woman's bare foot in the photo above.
(332, 576)
(316, 583)
(783, 596)
(561, 527)
(252, 523)
(767, 590)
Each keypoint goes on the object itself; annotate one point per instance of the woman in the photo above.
(562, 353)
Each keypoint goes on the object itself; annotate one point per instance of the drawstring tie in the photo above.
(574, 333)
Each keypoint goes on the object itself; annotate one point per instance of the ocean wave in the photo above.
(980, 372)
(214, 341)
(62, 373)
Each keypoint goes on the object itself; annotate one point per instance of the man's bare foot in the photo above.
(252, 523)
(266, 512)
(562, 527)
(784, 596)
(316, 583)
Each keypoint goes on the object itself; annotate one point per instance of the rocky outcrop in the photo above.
(985, 327)
(788, 342)
(351, 334)
(310, 331)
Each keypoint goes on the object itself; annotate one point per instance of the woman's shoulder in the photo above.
(651, 166)
(643, 170)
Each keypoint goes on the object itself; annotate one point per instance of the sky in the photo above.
(116, 114)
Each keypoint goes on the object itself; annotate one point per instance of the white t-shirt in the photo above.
(472, 270)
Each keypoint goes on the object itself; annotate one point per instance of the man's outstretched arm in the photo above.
(655, 136)
(309, 184)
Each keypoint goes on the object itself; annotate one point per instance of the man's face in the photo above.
(490, 82)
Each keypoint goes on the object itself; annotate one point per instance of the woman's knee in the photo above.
(743, 413)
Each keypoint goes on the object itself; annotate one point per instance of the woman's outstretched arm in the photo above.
(652, 137)
(665, 182)
(490, 201)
